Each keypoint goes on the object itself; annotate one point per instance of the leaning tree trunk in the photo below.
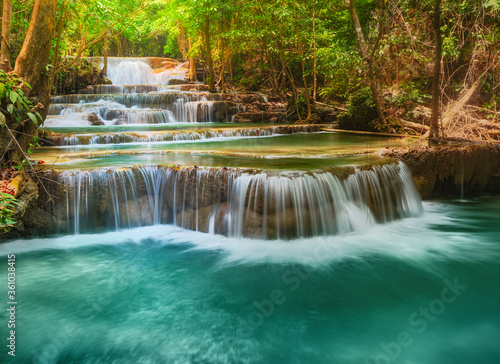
(6, 27)
(31, 66)
(368, 61)
(436, 90)
(208, 51)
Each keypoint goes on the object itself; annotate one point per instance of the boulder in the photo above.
(420, 114)
(95, 119)
(169, 64)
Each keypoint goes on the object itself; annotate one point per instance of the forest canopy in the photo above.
(374, 59)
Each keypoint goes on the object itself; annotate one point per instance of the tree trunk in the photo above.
(119, 47)
(436, 90)
(273, 71)
(34, 56)
(315, 62)
(183, 46)
(192, 63)
(208, 52)
(105, 49)
(368, 61)
(299, 50)
(32, 62)
(55, 59)
(6, 27)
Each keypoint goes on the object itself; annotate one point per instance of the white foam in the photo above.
(412, 240)
(137, 72)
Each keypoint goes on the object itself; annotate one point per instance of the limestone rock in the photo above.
(419, 113)
(169, 64)
(95, 119)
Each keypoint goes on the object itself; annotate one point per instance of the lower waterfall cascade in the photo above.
(237, 203)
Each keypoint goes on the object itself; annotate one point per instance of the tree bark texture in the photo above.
(31, 65)
(6, 28)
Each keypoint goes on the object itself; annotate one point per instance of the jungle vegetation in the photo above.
(384, 56)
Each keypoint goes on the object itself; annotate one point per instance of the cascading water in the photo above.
(131, 73)
(138, 137)
(139, 95)
(140, 108)
(237, 203)
(123, 71)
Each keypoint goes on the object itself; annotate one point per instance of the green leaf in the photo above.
(3, 91)
(10, 108)
(32, 117)
(13, 96)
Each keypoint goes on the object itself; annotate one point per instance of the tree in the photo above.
(32, 69)
(32, 62)
(6, 29)
(208, 55)
(436, 89)
(368, 59)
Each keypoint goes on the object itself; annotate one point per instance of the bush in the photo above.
(7, 209)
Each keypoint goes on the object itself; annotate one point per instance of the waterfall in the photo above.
(131, 73)
(140, 108)
(232, 202)
(138, 72)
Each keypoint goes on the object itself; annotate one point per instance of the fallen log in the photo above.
(421, 128)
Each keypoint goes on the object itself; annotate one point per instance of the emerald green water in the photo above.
(165, 295)
(147, 127)
(296, 151)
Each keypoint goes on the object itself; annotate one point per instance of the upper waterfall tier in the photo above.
(146, 108)
(238, 203)
(167, 106)
(140, 71)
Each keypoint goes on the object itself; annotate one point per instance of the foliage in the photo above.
(409, 93)
(7, 210)
(361, 112)
(73, 79)
(289, 47)
(14, 104)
